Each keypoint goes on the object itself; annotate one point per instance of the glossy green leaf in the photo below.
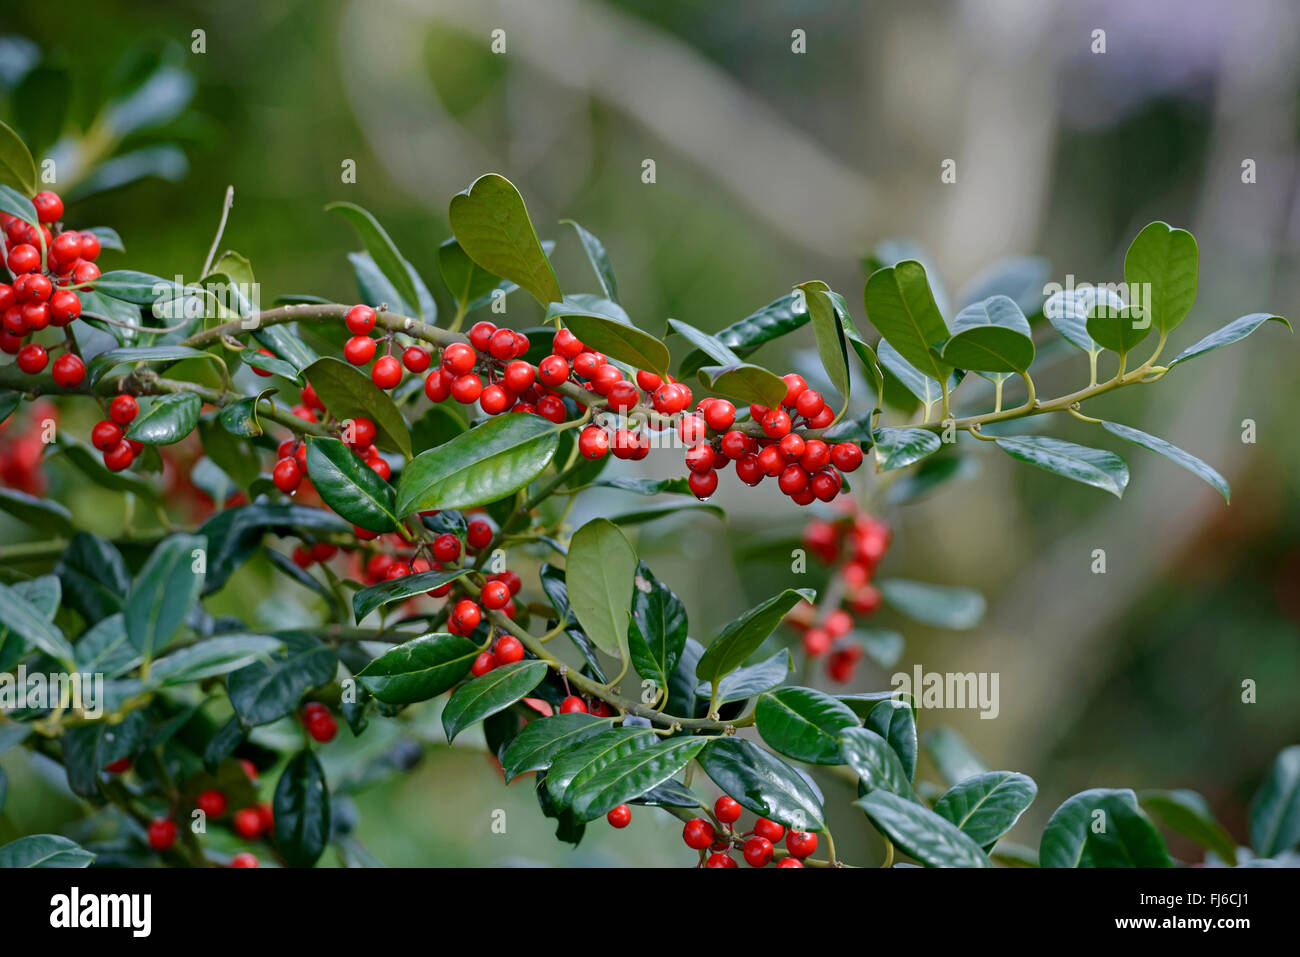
(1188, 813)
(235, 534)
(25, 619)
(492, 226)
(899, 448)
(895, 721)
(744, 635)
(711, 346)
(557, 593)
(901, 306)
(576, 765)
(164, 592)
(598, 258)
(943, 606)
(11, 200)
(269, 689)
(631, 776)
(803, 724)
(1173, 453)
(751, 680)
(348, 393)
(1275, 811)
(1068, 312)
(44, 850)
(540, 741)
(218, 655)
(744, 383)
(987, 805)
(990, 336)
(301, 809)
(486, 695)
(656, 633)
(762, 783)
(1234, 331)
(349, 486)
(419, 669)
(105, 648)
(832, 347)
(616, 338)
(382, 249)
(776, 319)
(1095, 467)
(40, 512)
(376, 596)
(928, 391)
(464, 280)
(600, 572)
(1066, 833)
(1119, 330)
(17, 168)
(1166, 260)
(873, 760)
(168, 419)
(1120, 835)
(239, 418)
(480, 466)
(274, 364)
(920, 832)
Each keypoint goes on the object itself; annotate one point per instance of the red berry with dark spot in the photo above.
(105, 435)
(458, 358)
(800, 844)
(478, 534)
(360, 320)
(758, 852)
(32, 358)
(495, 595)
(593, 443)
(467, 615)
(846, 456)
(49, 207)
(446, 547)
(552, 371)
(508, 650)
(123, 409)
(698, 833)
(566, 344)
(68, 370)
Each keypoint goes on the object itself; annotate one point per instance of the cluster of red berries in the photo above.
(576, 705)
(250, 823)
(44, 264)
(805, 469)
(109, 435)
(360, 349)
(23, 447)
(759, 846)
(856, 543)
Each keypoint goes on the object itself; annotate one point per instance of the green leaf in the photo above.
(376, 596)
(598, 258)
(44, 850)
(218, 655)
(40, 512)
(235, 534)
(349, 486)
(107, 236)
(943, 606)
(832, 348)
(492, 226)
(1118, 330)
(952, 756)
(1166, 259)
(536, 746)
(1068, 312)
(987, 805)
(656, 633)
(1173, 453)
(382, 249)
(750, 680)
(104, 647)
(743, 636)
(776, 319)
(901, 306)
(920, 832)
(990, 336)
(874, 761)
(11, 201)
(642, 515)
(419, 669)
(1275, 811)
(164, 593)
(1095, 467)
(803, 724)
(1128, 838)
(17, 168)
(1189, 814)
(465, 281)
(1234, 331)
(348, 393)
(577, 764)
(301, 809)
(486, 695)
(257, 360)
(267, 690)
(712, 347)
(557, 593)
(480, 466)
(744, 383)
(106, 362)
(239, 418)
(94, 576)
(1066, 833)
(28, 622)
(613, 336)
(599, 573)
(168, 419)
(631, 776)
(763, 783)
(894, 721)
(899, 448)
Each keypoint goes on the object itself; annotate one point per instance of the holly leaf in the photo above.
(1095, 467)
(301, 810)
(803, 724)
(744, 635)
(987, 805)
(487, 694)
(419, 669)
(920, 832)
(762, 783)
(492, 226)
(599, 572)
(349, 486)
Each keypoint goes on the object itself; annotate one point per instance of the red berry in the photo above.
(446, 547)
(212, 803)
(244, 859)
(700, 458)
(32, 358)
(826, 484)
(734, 444)
(480, 335)
(68, 370)
(494, 400)
(727, 810)
(322, 727)
(360, 320)
(437, 385)
(846, 456)
(162, 833)
(49, 207)
(816, 455)
(721, 860)
(478, 534)
(794, 387)
(648, 380)
(793, 480)
(66, 247)
(510, 580)
(119, 457)
(105, 435)
(458, 358)
(809, 403)
(566, 344)
(466, 388)
(83, 274)
(748, 469)
(64, 307)
(36, 315)
(606, 378)
(720, 415)
(769, 829)
(397, 570)
(416, 359)
(623, 395)
(36, 287)
(671, 398)
(502, 344)
(359, 350)
(123, 409)
(552, 408)
(776, 424)
(286, 475)
(593, 443)
(89, 247)
(816, 641)
(387, 372)
(553, 370)
(120, 766)
(495, 595)
(771, 461)
(508, 650)
(788, 862)
(698, 833)
(467, 615)
(518, 376)
(620, 816)
(703, 484)
(248, 823)
(574, 705)
(800, 844)
(823, 418)
(758, 852)
(692, 429)
(484, 663)
(839, 623)
(363, 433)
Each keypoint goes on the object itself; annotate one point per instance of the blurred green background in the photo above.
(772, 168)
